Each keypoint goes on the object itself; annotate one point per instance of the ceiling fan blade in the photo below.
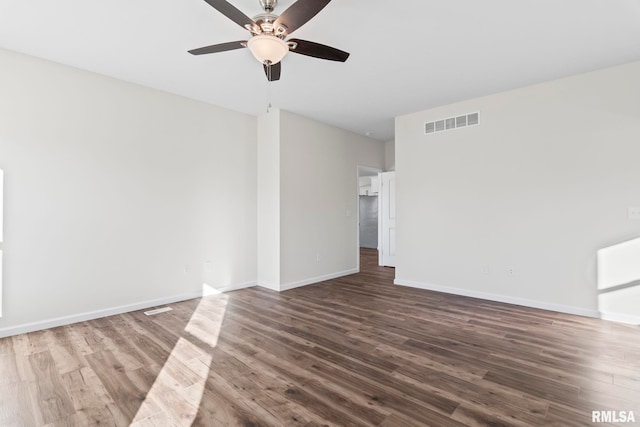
(231, 12)
(300, 13)
(221, 47)
(273, 71)
(317, 50)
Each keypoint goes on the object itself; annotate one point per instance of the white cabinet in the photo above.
(369, 186)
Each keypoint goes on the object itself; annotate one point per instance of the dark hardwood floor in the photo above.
(354, 351)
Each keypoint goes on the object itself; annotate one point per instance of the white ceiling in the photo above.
(406, 55)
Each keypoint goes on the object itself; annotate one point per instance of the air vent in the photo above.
(450, 123)
(470, 119)
(157, 311)
(430, 127)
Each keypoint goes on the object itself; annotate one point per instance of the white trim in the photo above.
(97, 314)
(312, 280)
(501, 298)
(270, 286)
(237, 287)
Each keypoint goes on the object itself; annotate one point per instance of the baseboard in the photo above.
(501, 298)
(305, 282)
(97, 314)
(230, 288)
(270, 286)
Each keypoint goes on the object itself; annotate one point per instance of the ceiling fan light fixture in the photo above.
(268, 49)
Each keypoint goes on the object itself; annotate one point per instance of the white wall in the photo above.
(319, 197)
(390, 156)
(269, 200)
(1, 232)
(542, 184)
(111, 189)
(319, 213)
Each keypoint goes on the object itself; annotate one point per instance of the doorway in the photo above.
(368, 206)
(368, 221)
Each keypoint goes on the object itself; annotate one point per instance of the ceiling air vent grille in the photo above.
(470, 119)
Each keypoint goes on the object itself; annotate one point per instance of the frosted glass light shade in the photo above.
(268, 49)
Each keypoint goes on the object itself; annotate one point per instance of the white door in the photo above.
(387, 198)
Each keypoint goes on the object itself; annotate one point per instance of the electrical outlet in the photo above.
(484, 269)
(634, 213)
(186, 268)
(511, 271)
(208, 267)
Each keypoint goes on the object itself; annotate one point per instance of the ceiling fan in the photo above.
(268, 42)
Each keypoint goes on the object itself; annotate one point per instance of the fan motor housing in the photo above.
(266, 23)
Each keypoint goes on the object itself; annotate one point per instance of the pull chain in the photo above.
(268, 98)
(269, 88)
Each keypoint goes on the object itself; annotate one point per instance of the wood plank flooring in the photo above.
(354, 351)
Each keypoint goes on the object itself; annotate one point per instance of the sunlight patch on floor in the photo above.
(175, 396)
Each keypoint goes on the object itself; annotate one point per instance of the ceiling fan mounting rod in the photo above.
(268, 5)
